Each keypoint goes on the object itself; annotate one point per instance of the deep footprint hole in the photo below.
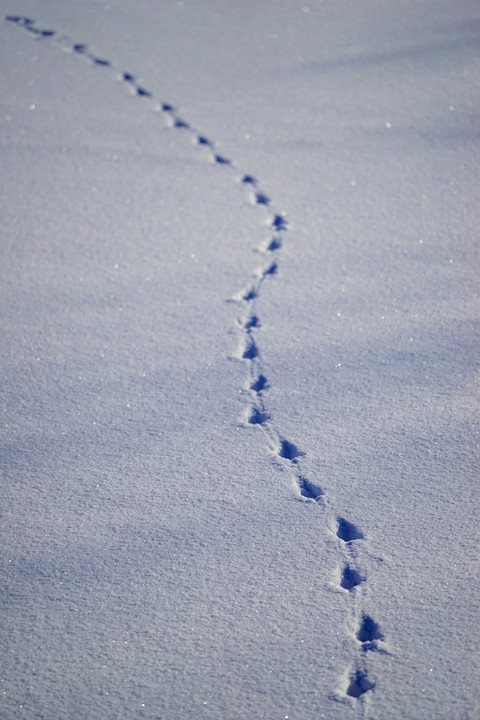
(221, 160)
(350, 578)
(289, 450)
(271, 270)
(275, 244)
(369, 630)
(250, 295)
(359, 685)
(279, 223)
(347, 531)
(258, 417)
(251, 351)
(251, 322)
(261, 199)
(309, 490)
(259, 384)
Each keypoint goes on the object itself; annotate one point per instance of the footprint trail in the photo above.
(273, 227)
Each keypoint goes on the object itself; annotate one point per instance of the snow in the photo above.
(239, 285)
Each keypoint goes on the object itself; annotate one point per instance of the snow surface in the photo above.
(239, 284)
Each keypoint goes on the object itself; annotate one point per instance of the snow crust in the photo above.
(239, 286)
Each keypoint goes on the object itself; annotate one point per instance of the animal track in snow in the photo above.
(347, 531)
(251, 350)
(309, 490)
(200, 140)
(289, 451)
(368, 634)
(259, 384)
(278, 222)
(258, 416)
(221, 160)
(273, 244)
(359, 684)
(250, 294)
(350, 578)
(270, 270)
(251, 322)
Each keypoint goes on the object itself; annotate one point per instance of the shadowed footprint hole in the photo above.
(249, 180)
(102, 63)
(279, 222)
(251, 322)
(259, 384)
(44, 33)
(258, 417)
(350, 578)
(289, 451)
(251, 351)
(271, 270)
(347, 531)
(179, 123)
(274, 244)
(369, 630)
(143, 93)
(359, 684)
(221, 160)
(250, 295)
(261, 199)
(309, 490)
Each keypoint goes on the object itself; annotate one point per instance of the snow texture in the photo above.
(239, 284)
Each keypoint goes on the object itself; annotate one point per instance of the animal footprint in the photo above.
(270, 270)
(260, 198)
(369, 633)
(251, 322)
(350, 578)
(359, 684)
(221, 160)
(271, 245)
(141, 92)
(201, 140)
(251, 350)
(289, 451)
(347, 531)
(278, 222)
(309, 490)
(258, 417)
(369, 630)
(259, 384)
(250, 294)
(180, 124)
(102, 63)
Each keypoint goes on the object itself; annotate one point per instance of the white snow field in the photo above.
(239, 304)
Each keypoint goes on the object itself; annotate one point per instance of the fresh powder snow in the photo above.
(240, 391)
